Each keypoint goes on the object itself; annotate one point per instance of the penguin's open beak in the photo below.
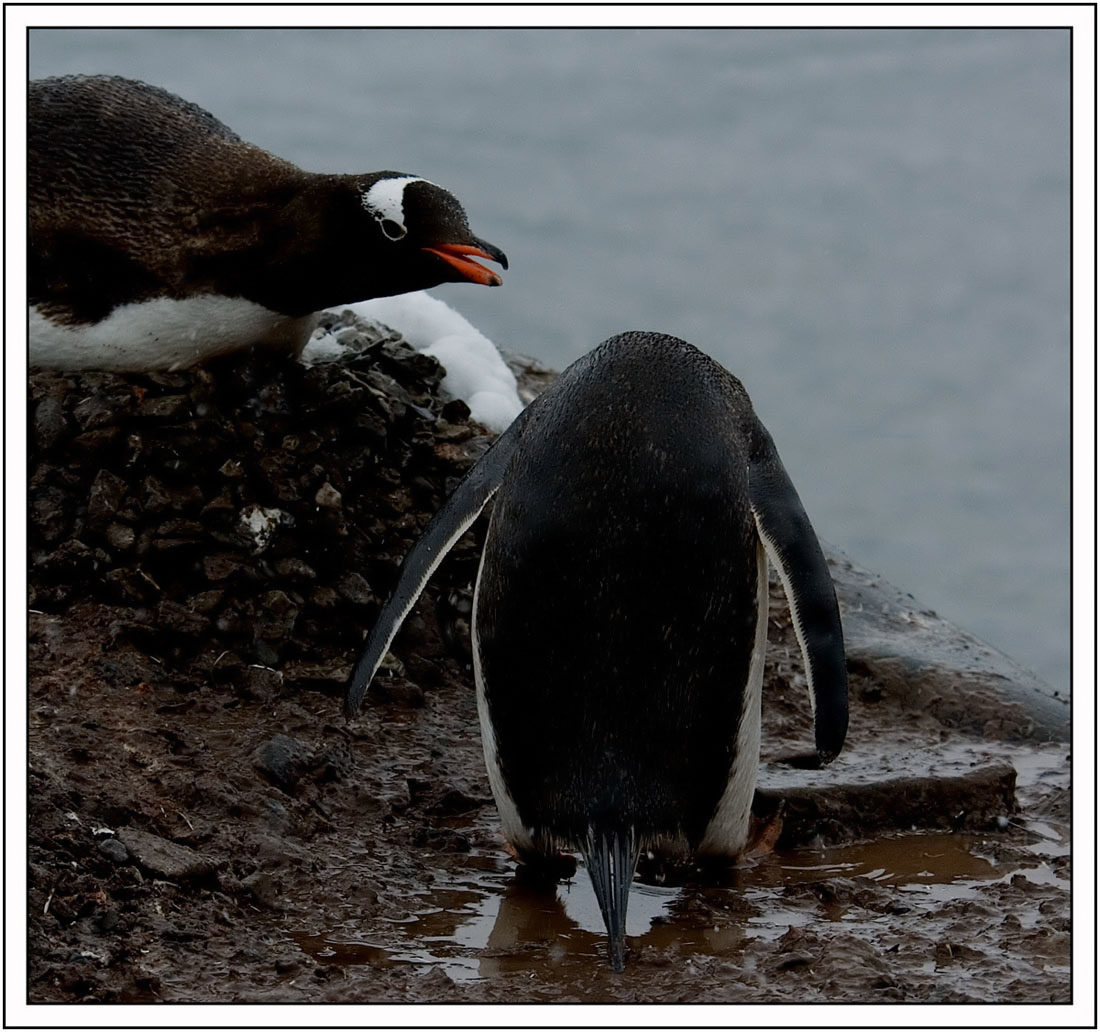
(457, 256)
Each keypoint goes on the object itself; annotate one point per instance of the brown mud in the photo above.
(207, 549)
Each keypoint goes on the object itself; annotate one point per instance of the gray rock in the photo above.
(275, 616)
(114, 850)
(295, 569)
(120, 537)
(50, 423)
(164, 859)
(105, 497)
(532, 377)
(95, 411)
(354, 587)
(262, 888)
(926, 663)
(961, 800)
(280, 760)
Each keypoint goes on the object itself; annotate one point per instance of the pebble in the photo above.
(263, 889)
(262, 683)
(397, 690)
(280, 759)
(328, 496)
(105, 498)
(51, 424)
(221, 565)
(114, 850)
(120, 537)
(295, 569)
(354, 587)
(167, 406)
(276, 616)
(95, 411)
(231, 468)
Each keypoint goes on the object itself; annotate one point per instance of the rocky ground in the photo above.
(207, 549)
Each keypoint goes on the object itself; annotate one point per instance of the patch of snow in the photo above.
(476, 372)
(493, 409)
(321, 347)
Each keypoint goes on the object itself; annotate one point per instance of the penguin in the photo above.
(620, 612)
(159, 238)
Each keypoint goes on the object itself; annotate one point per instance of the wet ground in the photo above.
(205, 827)
(377, 873)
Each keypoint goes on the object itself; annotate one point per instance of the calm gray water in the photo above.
(869, 227)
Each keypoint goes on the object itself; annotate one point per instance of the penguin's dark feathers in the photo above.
(136, 194)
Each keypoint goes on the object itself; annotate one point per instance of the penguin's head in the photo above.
(424, 229)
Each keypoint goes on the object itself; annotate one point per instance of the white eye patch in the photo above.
(385, 200)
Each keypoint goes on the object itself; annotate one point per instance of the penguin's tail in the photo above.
(611, 854)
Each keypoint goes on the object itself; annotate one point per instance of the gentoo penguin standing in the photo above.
(620, 611)
(159, 238)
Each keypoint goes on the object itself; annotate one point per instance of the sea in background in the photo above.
(870, 228)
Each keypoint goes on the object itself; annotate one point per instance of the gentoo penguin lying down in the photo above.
(620, 611)
(159, 238)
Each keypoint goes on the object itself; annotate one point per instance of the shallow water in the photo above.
(480, 921)
(488, 922)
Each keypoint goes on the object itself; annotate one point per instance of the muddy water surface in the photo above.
(484, 922)
(902, 915)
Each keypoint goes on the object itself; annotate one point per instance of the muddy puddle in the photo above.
(913, 895)
(486, 921)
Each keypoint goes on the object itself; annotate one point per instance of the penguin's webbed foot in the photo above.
(537, 867)
(764, 832)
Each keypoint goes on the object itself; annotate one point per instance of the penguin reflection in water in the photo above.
(620, 612)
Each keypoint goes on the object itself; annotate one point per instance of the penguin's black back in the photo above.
(128, 185)
(98, 139)
(617, 604)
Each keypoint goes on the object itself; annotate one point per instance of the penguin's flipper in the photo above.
(793, 548)
(445, 528)
(611, 856)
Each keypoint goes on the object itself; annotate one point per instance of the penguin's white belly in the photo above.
(728, 831)
(164, 333)
(511, 826)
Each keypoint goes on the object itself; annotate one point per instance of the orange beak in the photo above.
(457, 256)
